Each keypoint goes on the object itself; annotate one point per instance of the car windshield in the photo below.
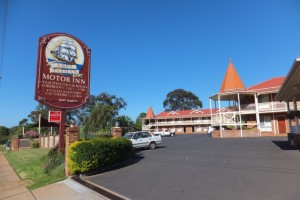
(128, 135)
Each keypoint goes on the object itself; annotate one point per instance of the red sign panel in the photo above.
(54, 116)
(63, 71)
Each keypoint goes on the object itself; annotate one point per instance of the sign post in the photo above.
(63, 74)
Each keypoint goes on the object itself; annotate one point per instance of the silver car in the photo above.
(143, 139)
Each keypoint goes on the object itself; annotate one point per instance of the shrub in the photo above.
(90, 155)
(31, 134)
(35, 144)
(54, 160)
(93, 135)
(53, 151)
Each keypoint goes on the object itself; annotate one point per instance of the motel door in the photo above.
(281, 124)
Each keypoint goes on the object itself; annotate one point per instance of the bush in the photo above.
(94, 135)
(35, 144)
(3, 139)
(31, 134)
(94, 154)
(54, 160)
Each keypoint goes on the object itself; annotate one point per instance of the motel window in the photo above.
(265, 123)
(263, 98)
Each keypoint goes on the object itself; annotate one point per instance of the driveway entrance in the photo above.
(200, 167)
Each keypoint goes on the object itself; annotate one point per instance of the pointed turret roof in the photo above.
(150, 113)
(232, 81)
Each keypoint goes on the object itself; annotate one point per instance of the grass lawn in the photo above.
(29, 167)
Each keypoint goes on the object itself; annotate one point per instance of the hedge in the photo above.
(85, 156)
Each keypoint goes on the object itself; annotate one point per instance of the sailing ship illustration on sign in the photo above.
(64, 56)
(65, 51)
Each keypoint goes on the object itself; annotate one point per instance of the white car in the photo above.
(164, 133)
(143, 139)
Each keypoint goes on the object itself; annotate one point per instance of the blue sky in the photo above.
(143, 49)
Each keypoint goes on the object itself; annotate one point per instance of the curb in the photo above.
(100, 190)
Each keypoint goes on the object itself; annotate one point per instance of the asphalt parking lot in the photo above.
(200, 167)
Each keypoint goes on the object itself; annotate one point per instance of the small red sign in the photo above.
(54, 116)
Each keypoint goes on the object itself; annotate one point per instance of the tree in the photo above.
(138, 121)
(40, 109)
(125, 123)
(104, 99)
(100, 119)
(23, 122)
(4, 134)
(4, 131)
(180, 99)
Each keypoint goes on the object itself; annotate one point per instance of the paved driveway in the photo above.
(200, 167)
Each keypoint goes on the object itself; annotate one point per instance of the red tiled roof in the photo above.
(232, 81)
(271, 85)
(150, 113)
(184, 113)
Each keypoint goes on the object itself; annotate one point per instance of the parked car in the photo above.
(143, 139)
(164, 133)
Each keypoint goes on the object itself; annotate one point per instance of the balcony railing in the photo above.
(183, 122)
(262, 107)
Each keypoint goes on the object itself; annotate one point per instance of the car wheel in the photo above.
(152, 145)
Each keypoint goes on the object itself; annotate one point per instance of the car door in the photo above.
(145, 139)
(136, 142)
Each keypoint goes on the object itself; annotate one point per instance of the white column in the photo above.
(241, 128)
(295, 111)
(220, 117)
(257, 114)
(40, 115)
(210, 111)
(274, 124)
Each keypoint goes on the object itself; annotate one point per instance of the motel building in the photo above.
(290, 94)
(235, 111)
(184, 121)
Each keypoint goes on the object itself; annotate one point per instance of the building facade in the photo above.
(235, 111)
(184, 121)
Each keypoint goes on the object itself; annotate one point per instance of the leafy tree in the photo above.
(105, 99)
(138, 121)
(16, 130)
(100, 118)
(125, 123)
(23, 122)
(180, 99)
(4, 131)
(40, 109)
(4, 134)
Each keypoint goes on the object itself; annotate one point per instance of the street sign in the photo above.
(54, 116)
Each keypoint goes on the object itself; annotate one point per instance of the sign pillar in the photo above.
(62, 128)
(63, 75)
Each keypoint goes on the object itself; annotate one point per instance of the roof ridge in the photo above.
(270, 80)
(150, 113)
(232, 80)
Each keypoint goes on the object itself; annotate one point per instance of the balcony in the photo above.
(262, 107)
(183, 122)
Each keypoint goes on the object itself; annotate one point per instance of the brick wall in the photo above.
(235, 133)
(14, 145)
(72, 135)
(117, 132)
